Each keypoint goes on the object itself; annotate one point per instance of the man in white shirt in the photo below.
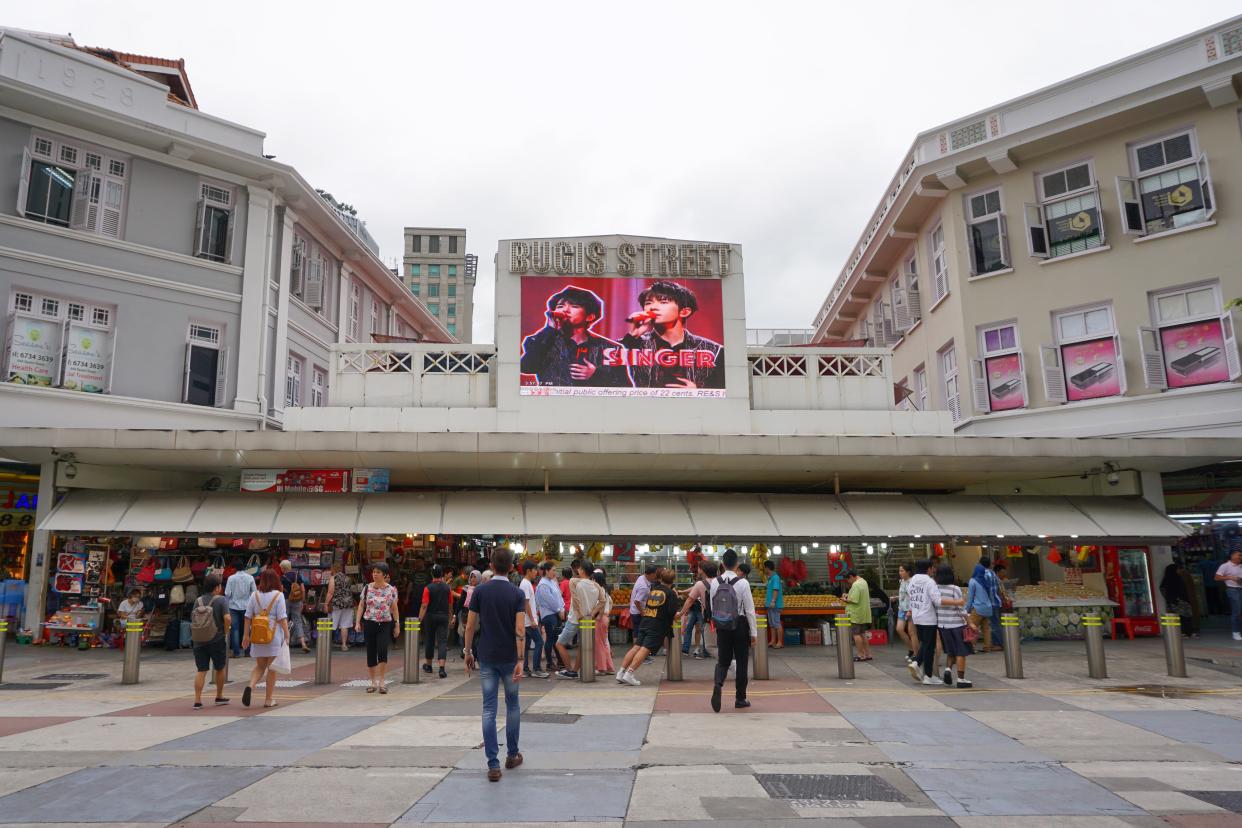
(238, 590)
(734, 616)
(1230, 573)
(583, 603)
(924, 597)
(534, 638)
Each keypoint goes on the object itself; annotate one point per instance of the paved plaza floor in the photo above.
(1053, 749)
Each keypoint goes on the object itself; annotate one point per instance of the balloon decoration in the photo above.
(623, 552)
(937, 550)
(1054, 554)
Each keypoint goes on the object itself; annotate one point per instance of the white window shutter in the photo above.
(1205, 183)
(1132, 221)
(955, 407)
(200, 229)
(1121, 366)
(1026, 397)
(295, 270)
(1004, 241)
(1230, 336)
(81, 215)
(901, 309)
(185, 375)
(23, 184)
(1099, 213)
(1153, 358)
(979, 385)
(228, 237)
(970, 246)
(111, 200)
(1054, 373)
(312, 283)
(1036, 232)
(222, 377)
(915, 302)
(890, 332)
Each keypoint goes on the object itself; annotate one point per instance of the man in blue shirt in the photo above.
(551, 608)
(774, 600)
(238, 589)
(500, 608)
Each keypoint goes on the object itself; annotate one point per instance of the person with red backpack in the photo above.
(733, 613)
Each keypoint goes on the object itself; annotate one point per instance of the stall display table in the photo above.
(1059, 618)
(84, 622)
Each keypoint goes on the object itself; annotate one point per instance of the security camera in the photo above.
(1113, 478)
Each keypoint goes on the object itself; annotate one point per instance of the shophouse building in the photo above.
(437, 270)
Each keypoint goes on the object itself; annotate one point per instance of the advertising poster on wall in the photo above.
(622, 337)
(1005, 387)
(1091, 369)
(88, 357)
(1194, 354)
(34, 351)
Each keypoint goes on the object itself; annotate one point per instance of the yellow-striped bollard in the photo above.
(4, 639)
(586, 650)
(1011, 634)
(413, 629)
(323, 651)
(845, 648)
(1174, 655)
(133, 651)
(673, 666)
(761, 647)
(1093, 632)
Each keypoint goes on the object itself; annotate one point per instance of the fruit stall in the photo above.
(1054, 610)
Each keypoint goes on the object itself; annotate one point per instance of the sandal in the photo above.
(383, 691)
(859, 658)
(371, 689)
(273, 704)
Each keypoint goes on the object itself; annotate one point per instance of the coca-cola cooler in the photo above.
(1128, 576)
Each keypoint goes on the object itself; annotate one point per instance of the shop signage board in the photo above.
(1091, 369)
(1166, 202)
(316, 481)
(1006, 390)
(369, 481)
(1194, 354)
(658, 336)
(34, 350)
(1074, 226)
(88, 359)
(17, 508)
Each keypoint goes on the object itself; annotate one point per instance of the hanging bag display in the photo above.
(163, 572)
(253, 566)
(183, 573)
(177, 594)
(146, 575)
(351, 564)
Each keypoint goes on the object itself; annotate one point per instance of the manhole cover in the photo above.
(550, 718)
(1229, 800)
(71, 676)
(32, 686)
(810, 789)
(1161, 691)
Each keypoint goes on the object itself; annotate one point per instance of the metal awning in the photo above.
(638, 516)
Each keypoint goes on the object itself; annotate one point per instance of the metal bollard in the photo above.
(761, 648)
(673, 667)
(1093, 630)
(1174, 655)
(412, 629)
(323, 651)
(4, 640)
(845, 648)
(1011, 629)
(133, 652)
(586, 650)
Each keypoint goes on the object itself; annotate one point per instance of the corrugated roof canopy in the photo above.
(631, 515)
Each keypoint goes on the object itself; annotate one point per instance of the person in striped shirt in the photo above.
(951, 622)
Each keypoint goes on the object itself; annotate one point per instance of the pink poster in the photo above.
(1005, 387)
(1091, 369)
(1194, 354)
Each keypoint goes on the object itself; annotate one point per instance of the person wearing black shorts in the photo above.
(657, 624)
(434, 615)
(213, 654)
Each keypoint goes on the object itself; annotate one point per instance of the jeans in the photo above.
(534, 641)
(693, 619)
(1235, 607)
(548, 624)
(927, 647)
(731, 644)
(238, 631)
(490, 675)
(297, 622)
(998, 639)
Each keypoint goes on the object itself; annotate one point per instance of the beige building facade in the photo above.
(435, 269)
(1062, 264)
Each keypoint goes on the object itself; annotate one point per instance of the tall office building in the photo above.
(438, 272)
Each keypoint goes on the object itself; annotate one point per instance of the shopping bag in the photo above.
(283, 664)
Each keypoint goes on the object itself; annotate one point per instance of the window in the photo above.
(1172, 188)
(435, 271)
(452, 309)
(434, 307)
(52, 342)
(68, 185)
(1084, 363)
(433, 244)
(433, 289)
(313, 276)
(1067, 218)
(1192, 341)
(452, 329)
(416, 271)
(415, 288)
(355, 310)
(948, 376)
(998, 378)
(452, 244)
(213, 234)
(919, 378)
(375, 318)
(452, 290)
(940, 267)
(319, 387)
(416, 244)
(206, 366)
(452, 271)
(986, 233)
(293, 380)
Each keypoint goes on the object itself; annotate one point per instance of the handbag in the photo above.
(163, 572)
(351, 564)
(312, 558)
(970, 634)
(283, 663)
(146, 575)
(253, 567)
(183, 574)
(306, 576)
(177, 594)
(199, 568)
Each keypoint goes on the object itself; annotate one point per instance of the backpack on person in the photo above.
(262, 630)
(297, 592)
(726, 607)
(203, 627)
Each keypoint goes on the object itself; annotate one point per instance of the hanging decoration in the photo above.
(937, 550)
(623, 552)
(551, 550)
(595, 552)
(1054, 554)
(1013, 551)
(694, 557)
(758, 554)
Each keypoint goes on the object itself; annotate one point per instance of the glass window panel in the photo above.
(1073, 325)
(1098, 321)
(991, 340)
(1008, 337)
(985, 244)
(1078, 177)
(1171, 307)
(1177, 149)
(1054, 185)
(993, 201)
(1201, 302)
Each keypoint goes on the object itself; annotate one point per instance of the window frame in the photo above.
(355, 309)
(433, 244)
(918, 379)
(981, 382)
(1055, 367)
(295, 367)
(1002, 226)
(215, 343)
(939, 263)
(318, 386)
(100, 192)
(210, 203)
(1151, 338)
(1134, 221)
(1039, 241)
(950, 379)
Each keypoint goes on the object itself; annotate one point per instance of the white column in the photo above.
(281, 351)
(342, 307)
(40, 550)
(1161, 556)
(254, 282)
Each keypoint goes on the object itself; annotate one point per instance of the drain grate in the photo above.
(811, 790)
(32, 686)
(71, 676)
(1162, 691)
(1229, 800)
(550, 718)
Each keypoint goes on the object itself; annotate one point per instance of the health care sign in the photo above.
(655, 329)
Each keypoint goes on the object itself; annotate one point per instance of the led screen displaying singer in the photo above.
(681, 359)
(566, 352)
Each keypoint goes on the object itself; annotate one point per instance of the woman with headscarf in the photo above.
(1177, 598)
(979, 602)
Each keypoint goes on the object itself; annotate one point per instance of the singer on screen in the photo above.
(566, 352)
(680, 359)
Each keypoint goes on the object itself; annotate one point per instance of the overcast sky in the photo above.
(773, 124)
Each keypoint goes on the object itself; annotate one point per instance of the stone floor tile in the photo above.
(264, 733)
(163, 795)
(25, 759)
(1000, 700)
(215, 757)
(1121, 784)
(420, 731)
(604, 696)
(374, 795)
(787, 696)
(1062, 821)
(1177, 775)
(111, 733)
(792, 754)
(17, 779)
(660, 793)
(1186, 725)
(1105, 752)
(994, 790)
(556, 760)
(399, 699)
(737, 807)
(756, 730)
(526, 796)
(384, 757)
(1082, 726)
(1222, 820)
(1174, 802)
(466, 698)
(22, 724)
(947, 728)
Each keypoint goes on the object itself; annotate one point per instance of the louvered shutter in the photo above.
(312, 283)
(1036, 232)
(81, 214)
(1230, 345)
(1099, 213)
(1132, 221)
(222, 378)
(1004, 242)
(1054, 373)
(1153, 358)
(227, 252)
(915, 302)
(111, 200)
(979, 386)
(200, 229)
(23, 184)
(185, 376)
(1205, 183)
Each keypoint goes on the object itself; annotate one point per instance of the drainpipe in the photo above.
(262, 395)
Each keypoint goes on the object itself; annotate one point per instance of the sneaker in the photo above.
(620, 676)
(696, 654)
(741, 703)
(539, 674)
(948, 676)
(916, 672)
(222, 701)
(426, 668)
(198, 705)
(632, 680)
(966, 683)
(567, 674)
(716, 698)
(443, 673)
(932, 681)
(706, 652)
(685, 652)
(1237, 636)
